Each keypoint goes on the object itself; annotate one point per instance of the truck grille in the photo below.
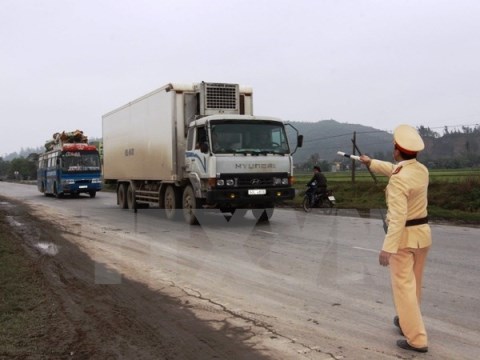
(254, 180)
(221, 96)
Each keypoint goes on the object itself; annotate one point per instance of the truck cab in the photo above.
(239, 162)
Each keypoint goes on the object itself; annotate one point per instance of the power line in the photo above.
(384, 131)
(346, 134)
(335, 147)
(453, 126)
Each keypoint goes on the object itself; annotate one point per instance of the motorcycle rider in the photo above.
(317, 185)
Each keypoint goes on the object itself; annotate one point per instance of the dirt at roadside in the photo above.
(52, 307)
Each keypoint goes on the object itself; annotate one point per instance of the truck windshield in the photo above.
(255, 137)
(80, 161)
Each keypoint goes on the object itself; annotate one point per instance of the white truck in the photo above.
(188, 148)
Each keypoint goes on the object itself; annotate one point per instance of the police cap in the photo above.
(407, 139)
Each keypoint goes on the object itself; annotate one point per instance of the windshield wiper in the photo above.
(256, 152)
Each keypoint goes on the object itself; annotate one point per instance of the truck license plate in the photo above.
(257, 192)
(82, 186)
(331, 198)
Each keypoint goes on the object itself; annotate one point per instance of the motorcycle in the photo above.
(318, 200)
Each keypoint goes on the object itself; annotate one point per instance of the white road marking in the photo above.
(360, 248)
(267, 232)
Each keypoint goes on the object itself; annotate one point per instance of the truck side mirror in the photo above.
(299, 140)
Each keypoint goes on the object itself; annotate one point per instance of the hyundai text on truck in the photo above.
(188, 148)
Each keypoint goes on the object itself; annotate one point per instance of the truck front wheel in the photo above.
(190, 206)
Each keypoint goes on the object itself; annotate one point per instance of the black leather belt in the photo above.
(414, 222)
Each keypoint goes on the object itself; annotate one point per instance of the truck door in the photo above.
(196, 159)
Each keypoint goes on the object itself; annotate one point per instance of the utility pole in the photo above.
(368, 168)
(353, 153)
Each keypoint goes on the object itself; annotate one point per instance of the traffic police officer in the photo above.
(408, 237)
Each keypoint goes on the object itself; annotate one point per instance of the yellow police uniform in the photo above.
(408, 238)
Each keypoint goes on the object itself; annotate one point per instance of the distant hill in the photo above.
(23, 153)
(460, 148)
(326, 137)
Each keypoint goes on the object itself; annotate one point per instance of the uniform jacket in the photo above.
(406, 197)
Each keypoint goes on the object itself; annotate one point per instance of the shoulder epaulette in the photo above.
(397, 170)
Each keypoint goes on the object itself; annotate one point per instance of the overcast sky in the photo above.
(378, 63)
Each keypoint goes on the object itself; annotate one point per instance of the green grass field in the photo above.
(454, 175)
(453, 195)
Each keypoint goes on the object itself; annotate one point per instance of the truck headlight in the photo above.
(230, 182)
(285, 181)
(277, 181)
(96, 181)
(68, 182)
(220, 182)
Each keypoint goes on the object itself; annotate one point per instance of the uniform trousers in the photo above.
(406, 271)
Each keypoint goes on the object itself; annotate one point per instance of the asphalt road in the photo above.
(311, 281)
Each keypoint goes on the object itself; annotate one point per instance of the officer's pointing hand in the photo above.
(365, 160)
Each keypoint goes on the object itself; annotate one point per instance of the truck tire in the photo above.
(92, 194)
(131, 201)
(171, 202)
(262, 215)
(122, 196)
(190, 206)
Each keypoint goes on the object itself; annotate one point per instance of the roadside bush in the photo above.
(463, 195)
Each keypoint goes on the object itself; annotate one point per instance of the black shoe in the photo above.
(405, 345)
(396, 322)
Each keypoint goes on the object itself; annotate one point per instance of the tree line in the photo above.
(23, 165)
(20, 168)
(456, 148)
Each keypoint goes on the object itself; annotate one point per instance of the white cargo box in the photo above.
(142, 140)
